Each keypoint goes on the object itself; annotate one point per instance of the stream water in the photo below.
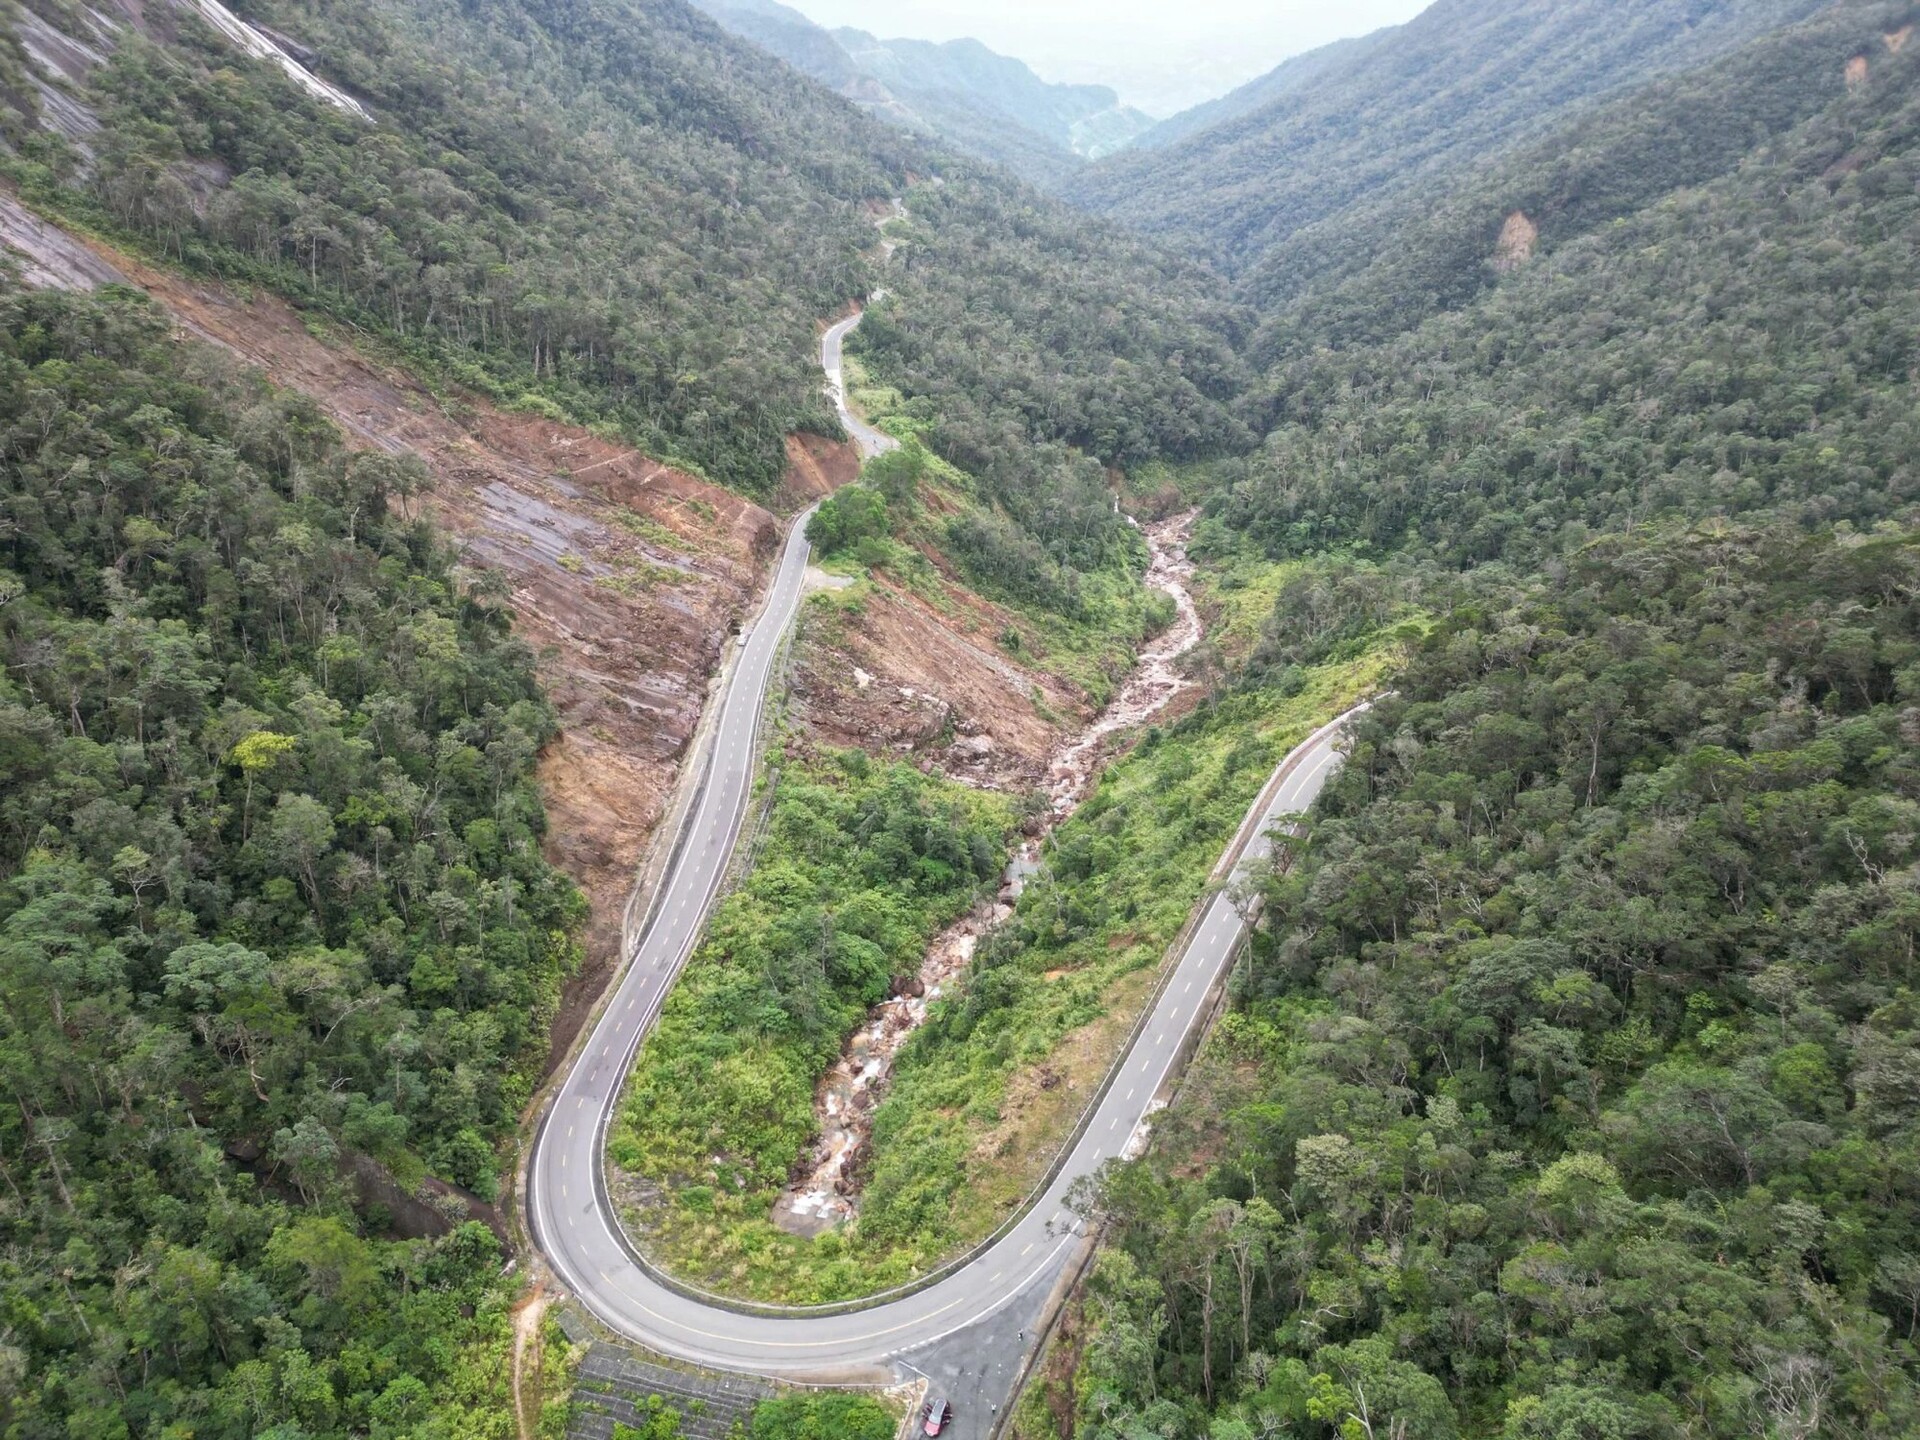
(827, 1193)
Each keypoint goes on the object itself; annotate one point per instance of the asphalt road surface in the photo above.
(567, 1203)
(869, 440)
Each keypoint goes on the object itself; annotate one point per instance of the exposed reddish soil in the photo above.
(816, 467)
(899, 676)
(528, 1352)
(1515, 245)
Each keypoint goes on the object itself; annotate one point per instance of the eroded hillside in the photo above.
(625, 574)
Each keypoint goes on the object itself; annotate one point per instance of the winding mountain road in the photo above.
(567, 1204)
(870, 441)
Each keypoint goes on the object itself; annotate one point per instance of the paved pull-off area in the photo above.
(1002, 1291)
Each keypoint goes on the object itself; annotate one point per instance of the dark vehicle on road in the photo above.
(937, 1415)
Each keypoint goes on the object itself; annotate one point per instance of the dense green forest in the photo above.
(1565, 1092)
(1570, 1089)
(273, 900)
(1746, 345)
(587, 206)
(1374, 270)
(1019, 322)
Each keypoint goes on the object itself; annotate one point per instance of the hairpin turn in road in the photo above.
(567, 1204)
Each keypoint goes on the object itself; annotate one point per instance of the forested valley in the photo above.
(1421, 103)
(276, 907)
(615, 213)
(1548, 373)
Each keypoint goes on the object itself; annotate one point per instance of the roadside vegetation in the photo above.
(861, 863)
(987, 1090)
(984, 1093)
(1563, 1096)
(821, 1415)
(1568, 1091)
(810, 1415)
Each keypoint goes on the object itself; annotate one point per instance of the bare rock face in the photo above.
(49, 258)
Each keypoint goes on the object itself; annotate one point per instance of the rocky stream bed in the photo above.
(826, 1193)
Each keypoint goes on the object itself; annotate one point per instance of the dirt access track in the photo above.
(625, 573)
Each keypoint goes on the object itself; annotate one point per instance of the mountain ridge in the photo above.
(992, 106)
(1463, 80)
(1289, 75)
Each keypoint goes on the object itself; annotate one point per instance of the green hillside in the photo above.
(1560, 1095)
(273, 893)
(1258, 93)
(1743, 346)
(1462, 82)
(987, 105)
(610, 205)
(1548, 368)
(1374, 270)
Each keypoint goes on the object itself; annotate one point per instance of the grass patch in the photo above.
(985, 1092)
(827, 1415)
(654, 533)
(1237, 586)
(721, 1103)
(633, 575)
(881, 406)
(1188, 482)
(862, 864)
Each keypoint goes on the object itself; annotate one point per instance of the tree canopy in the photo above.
(273, 910)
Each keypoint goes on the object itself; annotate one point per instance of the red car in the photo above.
(937, 1414)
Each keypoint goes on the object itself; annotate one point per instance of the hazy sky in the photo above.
(1162, 55)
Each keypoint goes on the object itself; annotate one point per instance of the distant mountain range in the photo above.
(987, 104)
(1289, 76)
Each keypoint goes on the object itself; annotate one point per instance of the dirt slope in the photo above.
(889, 673)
